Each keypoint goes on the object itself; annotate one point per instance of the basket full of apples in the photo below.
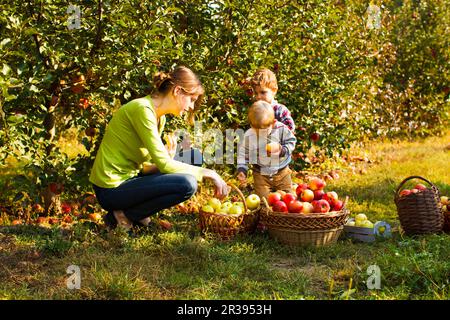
(419, 209)
(227, 219)
(311, 216)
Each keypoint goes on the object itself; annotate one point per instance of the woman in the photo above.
(125, 183)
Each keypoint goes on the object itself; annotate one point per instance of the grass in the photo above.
(180, 264)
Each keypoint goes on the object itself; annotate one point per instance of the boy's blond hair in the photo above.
(261, 115)
(264, 78)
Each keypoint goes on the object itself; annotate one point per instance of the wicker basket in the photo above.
(446, 222)
(227, 226)
(420, 213)
(315, 238)
(311, 221)
(314, 229)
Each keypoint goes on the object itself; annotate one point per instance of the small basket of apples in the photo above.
(419, 209)
(227, 219)
(362, 229)
(311, 216)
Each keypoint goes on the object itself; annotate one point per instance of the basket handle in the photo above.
(414, 177)
(241, 195)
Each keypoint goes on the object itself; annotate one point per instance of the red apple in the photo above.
(318, 194)
(288, 198)
(280, 206)
(307, 195)
(66, 207)
(307, 208)
(300, 188)
(273, 197)
(321, 206)
(281, 192)
(295, 206)
(330, 196)
(420, 187)
(316, 184)
(315, 137)
(337, 205)
(405, 192)
(414, 190)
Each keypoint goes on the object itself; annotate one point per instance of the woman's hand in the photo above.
(221, 186)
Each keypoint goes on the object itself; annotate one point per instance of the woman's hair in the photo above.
(261, 115)
(264, 78)
(183, 77)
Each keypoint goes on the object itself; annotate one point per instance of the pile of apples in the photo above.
(309, 198)
(214, 205)
(361, 221)
(417, 188)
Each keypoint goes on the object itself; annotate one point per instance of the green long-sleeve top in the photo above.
(132, 137)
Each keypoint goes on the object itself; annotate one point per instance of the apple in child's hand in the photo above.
(280, 206)
(253, 201)
(273, 197)
(405, 192)
(316, 184)
(321, 206)
(300, 188)
(288, 198)
(420, 187)
(307, 207)
(273, 147)
(307, 195)
(215, 204)
(295, 206)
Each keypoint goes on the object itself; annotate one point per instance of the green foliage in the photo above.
(339, 78)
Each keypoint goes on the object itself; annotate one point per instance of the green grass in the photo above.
(179, 264)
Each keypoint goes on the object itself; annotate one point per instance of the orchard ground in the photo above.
(180, 264)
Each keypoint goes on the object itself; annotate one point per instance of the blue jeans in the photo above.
(145, 195)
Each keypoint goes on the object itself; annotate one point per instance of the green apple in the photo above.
(351, 223)
(225, 208)
(382, 229)
(215, 204)
(236, 209)
(367, 224)
(208, 208)
(253, 201)
(240, 204)
(360, 217)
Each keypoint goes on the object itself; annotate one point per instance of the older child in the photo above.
(267, 145)
(265, 87)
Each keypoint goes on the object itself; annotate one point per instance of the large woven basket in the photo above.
(420, 213)
(313, 229)
(227, 226)
(310, 221)
(315, 238)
